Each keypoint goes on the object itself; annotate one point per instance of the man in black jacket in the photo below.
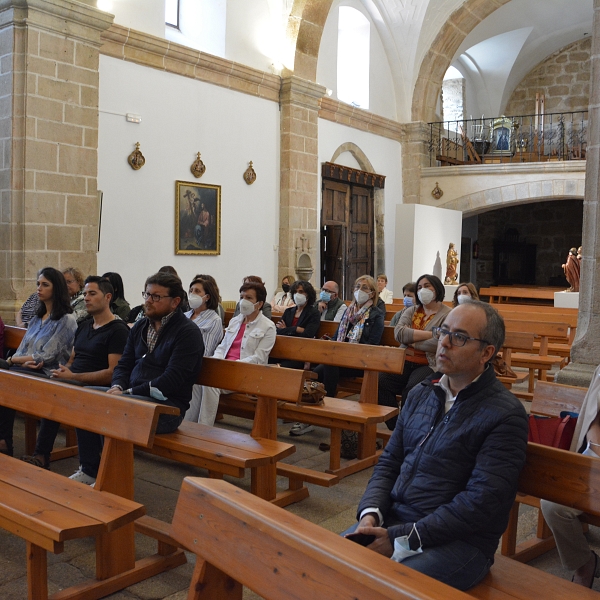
(440, 496)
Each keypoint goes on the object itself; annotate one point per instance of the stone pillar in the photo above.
(300, 195)
(414, 156)
(585, 353)
(49, 56)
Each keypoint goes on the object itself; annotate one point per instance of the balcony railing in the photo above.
(525, 138)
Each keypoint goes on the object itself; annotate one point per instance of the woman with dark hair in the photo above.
(409, 293)
(47, 343)
(266, 307)
(414, 330)
(220, 310)
(119, 305)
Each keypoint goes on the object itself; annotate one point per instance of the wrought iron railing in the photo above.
(525, 138)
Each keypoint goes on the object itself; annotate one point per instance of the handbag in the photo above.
(313, 393)
(552, 431)
(502, 368)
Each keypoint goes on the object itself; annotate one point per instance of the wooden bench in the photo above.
(526, 295)
(47, 509)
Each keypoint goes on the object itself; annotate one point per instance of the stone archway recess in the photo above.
(379, 198)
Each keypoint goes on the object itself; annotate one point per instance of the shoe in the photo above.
(596, 571)
(35, 461)
(83, 478)
(8, 450)
(301, 428)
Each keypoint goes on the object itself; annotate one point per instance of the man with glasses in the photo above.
(330, 305)
(441, 493)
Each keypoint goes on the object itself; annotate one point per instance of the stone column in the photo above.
(414, 156)
(49, 56)
(585, 354)
(300, 196)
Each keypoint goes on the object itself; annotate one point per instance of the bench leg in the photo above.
(335, 449)
(37, 572)
(509, 537)
(208, 583)
(367, 441)
(264, 482)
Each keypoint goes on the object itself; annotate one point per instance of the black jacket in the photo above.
(173, 365)
(454, 475)
(309, 320)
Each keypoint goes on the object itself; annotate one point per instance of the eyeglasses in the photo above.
(155, 297)
(328, 291)
(364, 288)
(456, 339)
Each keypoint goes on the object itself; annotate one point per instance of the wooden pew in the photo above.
(240, 541)
(527, 295)
(46, 509)
(550, 399)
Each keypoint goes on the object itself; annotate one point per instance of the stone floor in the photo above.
(157, 484)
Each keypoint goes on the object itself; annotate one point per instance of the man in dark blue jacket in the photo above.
(440, 496)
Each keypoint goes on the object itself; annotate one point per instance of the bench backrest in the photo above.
(550, 399)
(13, 336)
(281, 556)
(541, 317)
(538, 309)
(555, 330)
(520, 292)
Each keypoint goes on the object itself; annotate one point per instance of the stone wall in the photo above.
(563, 78)
(453, 93)
(553, 226)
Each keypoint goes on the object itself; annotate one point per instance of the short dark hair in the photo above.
(210, 288)
(117, 282)
(410, 287)
(168, 269)
(438, 286)
(494, 331)
(253, 279)
(61, 302)
(169, 281)
(211, 279)
(259, 288)
(104, 285)
(308, 288)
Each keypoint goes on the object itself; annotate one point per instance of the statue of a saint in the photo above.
(572, 270)
(451, 264)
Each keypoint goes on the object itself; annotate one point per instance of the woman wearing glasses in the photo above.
(414, 331)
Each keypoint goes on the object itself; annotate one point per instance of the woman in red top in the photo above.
(414, 331)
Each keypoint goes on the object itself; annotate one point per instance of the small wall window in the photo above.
(354, 42)
(172, 13)
(453, 91)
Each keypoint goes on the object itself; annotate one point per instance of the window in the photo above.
(354, 31)
(453, 94)
(172, 13)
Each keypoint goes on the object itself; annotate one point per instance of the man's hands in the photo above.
(322, 306)
(116, 391)
(382, 544)
(63, 373)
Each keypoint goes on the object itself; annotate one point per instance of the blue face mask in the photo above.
(408, 301)
(324, 296)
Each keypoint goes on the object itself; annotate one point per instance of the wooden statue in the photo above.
(451, 265)
(572, 270)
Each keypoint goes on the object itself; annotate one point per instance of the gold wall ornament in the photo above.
(136, 159)
(437, 191)
(198, 168)
(250, 174)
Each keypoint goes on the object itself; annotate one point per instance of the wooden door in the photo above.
(360, 236)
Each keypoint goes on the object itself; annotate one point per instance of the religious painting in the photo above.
(197, 218)
(501, 135)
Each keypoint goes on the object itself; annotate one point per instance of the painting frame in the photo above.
(197, 218)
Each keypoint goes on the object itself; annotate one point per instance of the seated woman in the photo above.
(74, 280)
(573, 548)
(387, 296)
(47, 343)
(283, 300)
(362, 323)
(203, 298)
(409, 292)
(119, 306)
(414, 331)
(301, 320)
(266, 309)
(464, 291)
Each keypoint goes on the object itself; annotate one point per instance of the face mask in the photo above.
(361, 296)
(462, 298)
(286, 288)
(425, 296)
(408, 301)
(195, 301)
(299, 299)
(246, 307)
(325, 296)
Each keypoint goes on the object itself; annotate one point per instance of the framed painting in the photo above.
(197, 218)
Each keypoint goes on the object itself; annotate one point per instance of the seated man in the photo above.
(160, 362)
(249, 337)
(99, 343)
(441, 493)
(330, 305)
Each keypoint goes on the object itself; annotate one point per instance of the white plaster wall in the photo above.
(180, 117)
(144, 15)
(385, 156)
(423, 234)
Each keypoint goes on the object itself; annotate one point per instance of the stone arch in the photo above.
(305, 28)
(437, 60)
(378, 201)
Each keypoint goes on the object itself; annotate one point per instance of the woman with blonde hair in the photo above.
(464, 291)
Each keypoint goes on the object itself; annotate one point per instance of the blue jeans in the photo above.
(456, 564)
(90, 444)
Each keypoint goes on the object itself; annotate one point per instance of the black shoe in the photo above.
(8, 451)
(34, 460)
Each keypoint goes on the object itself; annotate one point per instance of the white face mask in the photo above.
(361, 296)
(246, 307)
(425, 296)
(195, 301)
(299, 299)
(462, 298)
